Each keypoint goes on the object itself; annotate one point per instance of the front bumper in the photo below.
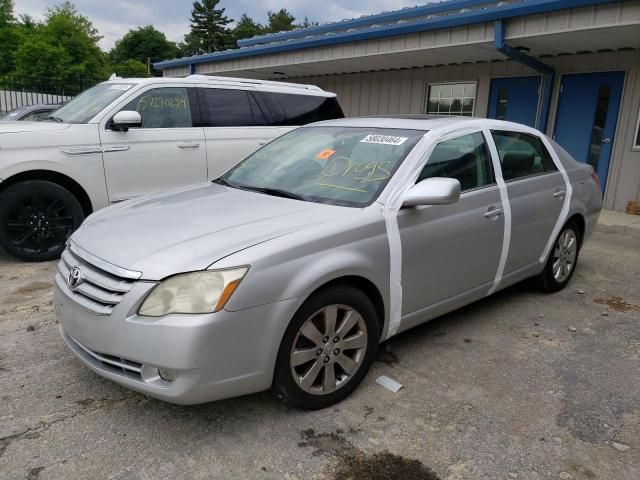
(213, 356)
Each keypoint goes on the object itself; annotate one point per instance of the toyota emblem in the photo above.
(75, 277)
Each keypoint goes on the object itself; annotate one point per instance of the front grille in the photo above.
(111, 363)
(98, 291)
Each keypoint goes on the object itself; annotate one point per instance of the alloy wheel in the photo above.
(38, 223)
(564, 255)
(329, 349)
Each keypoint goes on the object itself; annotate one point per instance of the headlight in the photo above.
(197, 292)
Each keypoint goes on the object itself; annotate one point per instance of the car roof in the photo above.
(422, 122)
(230, 82)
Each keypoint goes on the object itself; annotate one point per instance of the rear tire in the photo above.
(562, 260)
(36, 219)
(327, 349)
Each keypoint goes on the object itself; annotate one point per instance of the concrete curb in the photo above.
(619, 223)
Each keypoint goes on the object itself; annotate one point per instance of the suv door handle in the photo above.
(493, 212)
(188, 145)
(559, 194)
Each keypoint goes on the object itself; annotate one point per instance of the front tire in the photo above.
(562, 260)
(327, 349)
(36, 219)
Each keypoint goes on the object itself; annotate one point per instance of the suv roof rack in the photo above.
(249, 81)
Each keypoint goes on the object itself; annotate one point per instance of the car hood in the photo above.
(189, 229)
(19, 127)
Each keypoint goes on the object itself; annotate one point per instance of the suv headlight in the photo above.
(197, 292)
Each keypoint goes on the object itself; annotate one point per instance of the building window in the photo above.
(636, 138)
(451, 99)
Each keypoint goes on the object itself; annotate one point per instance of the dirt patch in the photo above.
(32, 287)
(618, 304)
(34, 473)
(352, 463)
(387, 357)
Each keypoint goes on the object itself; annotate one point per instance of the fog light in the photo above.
(167, 375)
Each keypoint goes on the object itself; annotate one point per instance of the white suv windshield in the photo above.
(338, 165)
(88, 104)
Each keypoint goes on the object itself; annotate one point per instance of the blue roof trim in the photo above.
(366, 20)
(531, 7)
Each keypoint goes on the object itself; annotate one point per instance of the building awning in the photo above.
(455, 31)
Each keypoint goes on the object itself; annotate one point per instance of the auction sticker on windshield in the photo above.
(384, 139)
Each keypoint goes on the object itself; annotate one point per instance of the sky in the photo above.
(113, 18)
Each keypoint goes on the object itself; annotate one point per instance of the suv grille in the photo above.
(96, 291)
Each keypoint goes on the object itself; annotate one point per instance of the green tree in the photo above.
(209, 31)
(280, 21)
(130, 68)
(246, 27)
(65, 48)
(9, 37)
(142, 44)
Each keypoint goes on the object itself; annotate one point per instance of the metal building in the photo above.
(570, 68)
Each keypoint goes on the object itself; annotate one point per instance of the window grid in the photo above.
(451, 99)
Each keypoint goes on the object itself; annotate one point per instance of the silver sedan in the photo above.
(290, 269)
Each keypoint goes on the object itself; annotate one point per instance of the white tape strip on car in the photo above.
(506, 209)
(564, 213)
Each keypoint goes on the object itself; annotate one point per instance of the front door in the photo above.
(587, 116)
(450, 253)
(165, 152)
(515, 99)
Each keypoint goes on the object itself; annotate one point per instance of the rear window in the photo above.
(293, 109)
(229, 108)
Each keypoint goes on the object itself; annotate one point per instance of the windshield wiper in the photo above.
(268, 191)
(55, 119)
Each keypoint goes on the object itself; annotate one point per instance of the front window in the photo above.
(167, 107)
(91, 102)
(336, 165)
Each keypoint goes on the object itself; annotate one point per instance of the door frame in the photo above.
(553, 114)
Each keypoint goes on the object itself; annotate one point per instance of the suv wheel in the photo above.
(327, 349)
(36, 219)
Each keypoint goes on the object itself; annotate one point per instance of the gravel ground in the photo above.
(518, 386)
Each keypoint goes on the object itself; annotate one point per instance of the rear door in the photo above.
(165, 152)
(536, 191)
(234, 126)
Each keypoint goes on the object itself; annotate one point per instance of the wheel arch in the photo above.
(581, 222)
(55, 177)
(367, 287)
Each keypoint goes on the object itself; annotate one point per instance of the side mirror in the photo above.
(433, 191)
(125, 119)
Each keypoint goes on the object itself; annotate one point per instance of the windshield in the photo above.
(337, 165)
(89, 103)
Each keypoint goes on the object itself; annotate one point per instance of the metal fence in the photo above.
(17, 91)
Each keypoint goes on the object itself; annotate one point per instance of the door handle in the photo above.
(188, 145)
(606, 140)
(559, 194)
(493, 212)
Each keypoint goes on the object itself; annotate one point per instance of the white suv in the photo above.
(130, 137)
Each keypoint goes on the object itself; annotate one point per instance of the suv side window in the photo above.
(464, 158)
(295, 109)
(167, 107)
(229, 108)
(522, 155)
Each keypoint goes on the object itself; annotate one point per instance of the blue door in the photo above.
(587, 117)
(515, 99)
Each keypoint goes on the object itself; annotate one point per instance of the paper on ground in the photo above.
(388, 383)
